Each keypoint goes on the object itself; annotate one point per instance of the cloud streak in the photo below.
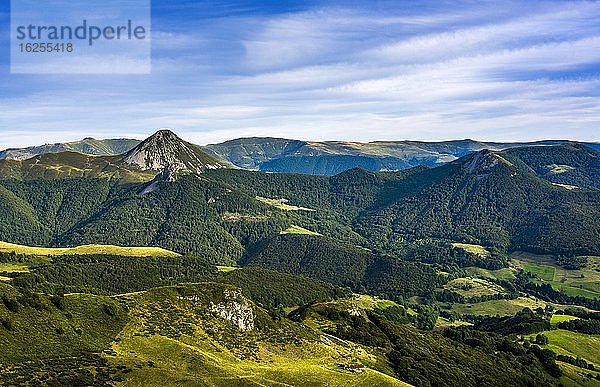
(335, 71)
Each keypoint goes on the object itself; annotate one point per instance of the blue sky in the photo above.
(331, 70)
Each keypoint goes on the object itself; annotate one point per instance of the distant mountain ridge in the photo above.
(161, 153)
(271, 154)
(88, 146)
(332, 157)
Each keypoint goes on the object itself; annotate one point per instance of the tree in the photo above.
(427, 318)
(541, 339)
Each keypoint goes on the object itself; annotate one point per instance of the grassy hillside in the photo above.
(499, 307)
(575, 344)
(170, 337)
(558, 318)
(282, 204)
(297, 230)
(67, 165)
(87, 250)
(193, 347)
(474, 287)
(584, 282)
(577, 377)
(475, 249)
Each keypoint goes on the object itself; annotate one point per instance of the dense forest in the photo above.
(343, 265)
(112, 274)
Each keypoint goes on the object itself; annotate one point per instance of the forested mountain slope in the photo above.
(485, 199)
(343, 265)
(571, 164)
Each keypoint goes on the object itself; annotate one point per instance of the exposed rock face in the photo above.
(167, 174)
(485, 161)
(153, 186)
(165, 150)
(236, 309)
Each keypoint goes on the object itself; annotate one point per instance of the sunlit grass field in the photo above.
(88, 249)
(299, 231)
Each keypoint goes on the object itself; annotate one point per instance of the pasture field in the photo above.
(544, 272)
(574, 344)
(507, 273)
(282, 204)
(299, 231)
(557, 169)
(475, 249)
(584, 282)
(362, 301)
(473, 287)
(87, 249)
(372, 302)
(13, 267)
(574, 376)
(558, 318)
(442, 323)
(499, 307)
(226, 269)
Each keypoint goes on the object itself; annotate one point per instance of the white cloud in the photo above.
(512, 73)
(556, 24)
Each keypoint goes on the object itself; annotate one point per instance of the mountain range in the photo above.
(283, 155)
(526, 198)
(443, 270)
(88, 146)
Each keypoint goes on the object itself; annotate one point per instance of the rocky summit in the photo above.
(165, 149)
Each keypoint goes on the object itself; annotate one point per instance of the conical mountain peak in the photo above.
(165, 149)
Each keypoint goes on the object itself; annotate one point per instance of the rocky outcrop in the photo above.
(235, 308)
